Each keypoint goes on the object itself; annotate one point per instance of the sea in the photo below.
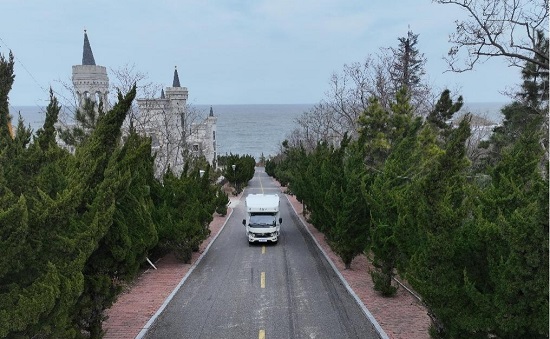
(241, 129)
(254, 130)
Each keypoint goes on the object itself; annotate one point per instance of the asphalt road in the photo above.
(286, 290)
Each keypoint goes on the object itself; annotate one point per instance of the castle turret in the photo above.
(176, 94)
(176, 81)
(89, 80)
(210, 137)
(87, 55)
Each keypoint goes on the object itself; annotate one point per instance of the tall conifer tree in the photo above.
(7, 77)
(512, 290)
(407, 68)
(440, 207)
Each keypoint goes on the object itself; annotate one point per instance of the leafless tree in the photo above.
(498, 28)
(348, 97)
(295, 139)
(170, 129)
(345, 100)
(123, 79)
(171, 146)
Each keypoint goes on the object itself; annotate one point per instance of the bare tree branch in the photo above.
(497, 28)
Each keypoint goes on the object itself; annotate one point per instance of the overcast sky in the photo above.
(232, 51)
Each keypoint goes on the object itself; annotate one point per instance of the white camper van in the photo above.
(263, 221)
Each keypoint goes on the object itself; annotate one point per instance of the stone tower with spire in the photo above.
(176, 94)
(90, 81)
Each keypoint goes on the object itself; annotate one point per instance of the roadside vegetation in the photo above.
(382, 166)
(237, 169)
(383, 172)
(76, 227)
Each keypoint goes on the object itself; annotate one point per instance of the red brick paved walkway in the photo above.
(401, 316)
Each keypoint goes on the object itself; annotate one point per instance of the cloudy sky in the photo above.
(232, 51)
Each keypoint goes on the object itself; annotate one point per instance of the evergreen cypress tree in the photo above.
(13, 160)
(440, 207)
(93, 174)
(15, 251)
(380, 134)
(386, 195)
(86, 119)
(289, 172)
(184, 208)
(7, 77)
(243, 172)
(28, 290)
(64, 232)
(514, 226)
(527, 115)
(12, 147)
(350, 233)
(47, 160)
(45, 137)
(120, 252)
(444, 111)
(373, 127)
(324, 174)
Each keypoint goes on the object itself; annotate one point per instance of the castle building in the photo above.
(174, 131)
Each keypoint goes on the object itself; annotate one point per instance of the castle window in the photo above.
(214, 135)
(195, 147)
(154, 141)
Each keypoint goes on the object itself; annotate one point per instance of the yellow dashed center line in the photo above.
(262, 186)
(261, 334)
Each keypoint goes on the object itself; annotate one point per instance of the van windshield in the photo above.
(262, 220)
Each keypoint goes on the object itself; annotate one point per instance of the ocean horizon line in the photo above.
(274, 104)
(191, 104)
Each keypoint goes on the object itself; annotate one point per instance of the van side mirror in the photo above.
(280, 220)
(244, 222)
